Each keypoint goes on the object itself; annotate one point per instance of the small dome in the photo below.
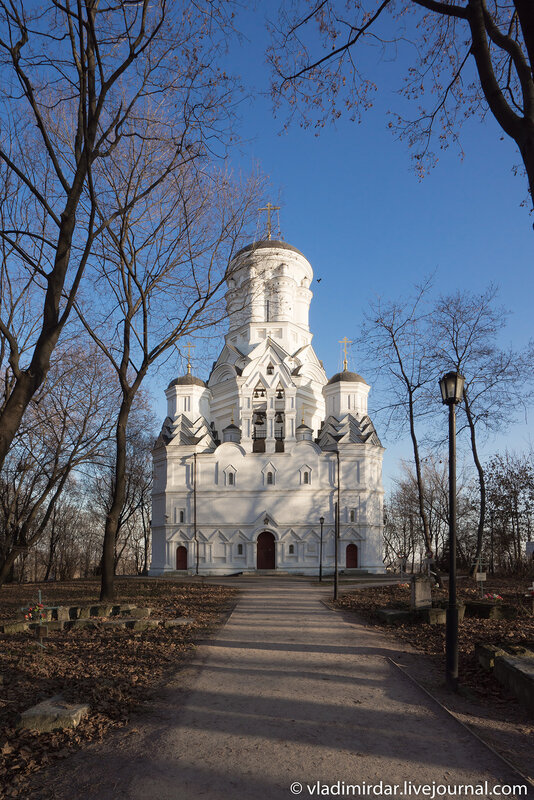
(268, 243)
(232, 427)
(303, 426)
(350, 377)
(186, 380)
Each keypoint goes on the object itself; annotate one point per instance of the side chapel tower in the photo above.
(247, 464)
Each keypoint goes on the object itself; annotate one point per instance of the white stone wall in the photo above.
(241, 493)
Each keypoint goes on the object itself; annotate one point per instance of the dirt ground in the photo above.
(115, 671)
(120, 673)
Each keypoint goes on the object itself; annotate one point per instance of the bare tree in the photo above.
(510, 490)
(465, 331)
(160, 273)
(394, 339)
(404, 532)
(76, 80)
(467, 58)
(133, 529)
(64, 428)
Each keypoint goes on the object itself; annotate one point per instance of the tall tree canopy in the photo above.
(77, 80)
(467, 57)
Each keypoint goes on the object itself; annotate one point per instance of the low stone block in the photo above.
(54, 625)
(517, 675)
(101, 610)
(486, 609)
(444, 605)
(124, 608)
(114, 623)
(392, 615)
(178, 622)
(84, 612)
(486, 654)
(61, 613)
(141, 624)
(14, 627)
(434, 616)
(137, 613)
(52, 714)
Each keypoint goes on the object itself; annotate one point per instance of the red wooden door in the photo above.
(352, 556)
(266, 551)
(181, 557)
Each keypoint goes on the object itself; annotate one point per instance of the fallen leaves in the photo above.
(114, 671)
(431, 638)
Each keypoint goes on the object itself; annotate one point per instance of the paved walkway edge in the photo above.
(463, 724)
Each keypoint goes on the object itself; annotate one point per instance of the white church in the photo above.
(249, 467)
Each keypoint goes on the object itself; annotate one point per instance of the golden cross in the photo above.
(268, 208)
(345, 342)
(189, 345)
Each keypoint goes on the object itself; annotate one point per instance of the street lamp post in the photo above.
(321, 521)
(452, 387)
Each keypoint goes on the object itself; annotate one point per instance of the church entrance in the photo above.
(181, 557)
(352, 556)
(266, 558)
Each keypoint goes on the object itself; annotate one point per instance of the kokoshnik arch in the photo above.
(247, 463)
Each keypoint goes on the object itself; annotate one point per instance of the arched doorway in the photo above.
(352, 556)
(181, 557)
(266, 553)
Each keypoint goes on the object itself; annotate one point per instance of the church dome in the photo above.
(350, 377)
(273, 243)
(186, 380)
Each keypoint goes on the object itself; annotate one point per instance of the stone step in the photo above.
(52, 714)
(516, 674)
(178, 622)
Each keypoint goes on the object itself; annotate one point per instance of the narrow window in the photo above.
(270, 478)
(291, 549)
(267, 311)
(239, 549)
(306, 477)
(181, 516)
(352, 515)
(270, 369)
(230, 479)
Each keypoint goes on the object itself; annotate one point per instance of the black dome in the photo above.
(186, 380)
(350, 377)
(269, 243)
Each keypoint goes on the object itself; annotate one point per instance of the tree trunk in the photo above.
(482, 488)
(526, 147)
(107, 590)
(7, 567)
(420, 490)
(52, 548)
(29, 380)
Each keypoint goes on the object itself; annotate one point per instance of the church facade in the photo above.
(251, 467)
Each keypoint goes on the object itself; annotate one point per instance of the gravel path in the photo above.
(286, 695)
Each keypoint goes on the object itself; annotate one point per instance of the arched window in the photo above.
(352, 515)
(291, 549)
(239, 549)
(270, 369)
(230, 479)
(270, 479)
(306, 477)
(182, 516)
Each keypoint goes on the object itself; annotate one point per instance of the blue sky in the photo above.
(352, 203)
